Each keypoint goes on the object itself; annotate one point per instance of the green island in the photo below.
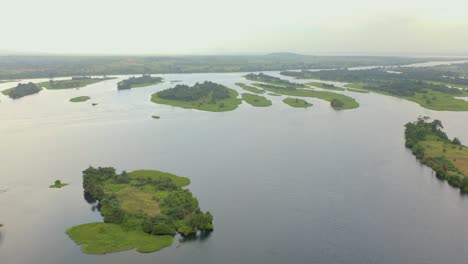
(296, 102)
(79, 99)
(273, 94)
(74, 82)
(337, 101)
(261, 77)
(142, 209)
(430, 88)
(22, 90)
(448, 158)
(250, 88)
(143, 81)
(58, 184)
(326, 86)
(155, 117)
(256, 100)
(206, 96)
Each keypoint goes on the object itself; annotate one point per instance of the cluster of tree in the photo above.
(23, 89)
(424, 129)
(179, 209)
(261, 77)
(378, 79)
(206, 90)
(337, 103)
(136, 81)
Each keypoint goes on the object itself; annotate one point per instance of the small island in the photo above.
(143, 209)
(74, 82)
(22, 90)
(206, 96)
(296, 102)
(261, 77)
(79, 99)
(256, 100)
(134, 82)
(156, 117)
(58, 184)
(431, 145)
(250, 88)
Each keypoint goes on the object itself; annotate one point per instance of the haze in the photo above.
(235, 27)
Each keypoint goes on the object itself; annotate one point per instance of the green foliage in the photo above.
(250, 88)
(132, 82)
(75, 82)
(58, 184)
(22, 90)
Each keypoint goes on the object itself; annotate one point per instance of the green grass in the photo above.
(80, 99)
(273, 94)
(101, 238)
(155, 175)
(325, 86)
(296, 102)
(70, 84)
(256, 100)
(250, 88)
(134, 200)
(203, 104)
(456, 154)
(356, 85)
(348, 102)
(438, 101)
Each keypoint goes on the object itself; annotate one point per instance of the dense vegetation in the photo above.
(345, 102)
(260, 77)
(150, 202)
(296, 102)
(326, 86)
(16, 66)
(79, 99)
(429, 94)
(448, 158)
(250, 88)
(22, 90)
(74, 82)
(256, 100)
(132, 82)
(207, 96)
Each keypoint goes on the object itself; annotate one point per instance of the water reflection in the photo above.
(199, 236)
(91, 200)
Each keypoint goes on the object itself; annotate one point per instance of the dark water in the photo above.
(285, 185)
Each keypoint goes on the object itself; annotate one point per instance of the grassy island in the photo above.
(74, 82)
(326, 86)
(448, 158)
(430, 88)
(155, 117)
(296, 102)
(346, 102)
(261, 77)
(250, 88)
(58, 184)
(133, 82)
(79, 99)
(143, 209)
(207, 96)
(256, 100)
(22, 90)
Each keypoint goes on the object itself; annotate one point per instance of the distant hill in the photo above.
(284, 54)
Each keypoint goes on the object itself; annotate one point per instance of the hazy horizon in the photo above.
(208, 27)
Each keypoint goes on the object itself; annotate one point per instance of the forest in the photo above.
(22, 89)
(261, 77)
(182, 92)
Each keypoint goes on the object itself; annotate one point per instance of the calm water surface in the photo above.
(285, 185)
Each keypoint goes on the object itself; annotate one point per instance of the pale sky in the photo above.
(234, 27)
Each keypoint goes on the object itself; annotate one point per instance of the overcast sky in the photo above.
(236, 26)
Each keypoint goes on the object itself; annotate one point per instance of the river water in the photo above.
(285, 185)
